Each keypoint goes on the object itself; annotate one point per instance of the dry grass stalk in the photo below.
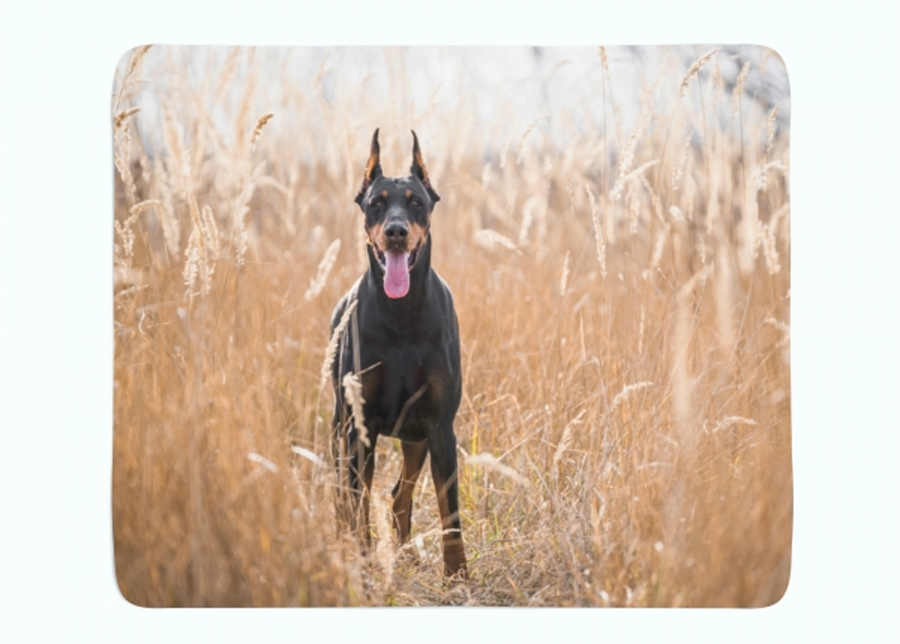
(318, 283)
(659, 244)
(333, 343)
(226, 76)
(257, 130)
(604, 60)
(385, 552)
(775, 220)
(170, 224)
(627, 158)
(491, 239)
(489, 461)
(241, 233)
(626, 392)
(655, 201)
(241, 239)
(598, 232)
(528, 130)
(683, 152)
(528, 209)
(122, 153)
(202, 249)
(137, 55)
(771, 124)
(210, 233)
(310, 456)
(738, 91)
(747, 231)
(694, 69)
(724, 286)
(124, 115)
(633, 201)
(641, 329)
(730, 421)
(564, 278)
(682, 377)
(179, 167)
(262, 460)
(781, 326)
(264, 181)
(689, 194)
(242, 115)
(353, 395)
(138, 208)
(770, 248)
(761, 179)
(566, 440)
(713, 208)
(124, 252)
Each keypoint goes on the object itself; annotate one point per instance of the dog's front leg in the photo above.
(442, 447)
(413, 459)
(360, 470)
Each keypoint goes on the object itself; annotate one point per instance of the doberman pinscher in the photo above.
(402, 342)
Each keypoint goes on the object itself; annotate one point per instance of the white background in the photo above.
(57, 581)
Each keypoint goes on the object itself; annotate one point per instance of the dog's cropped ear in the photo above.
(418, 169)
(373, 168)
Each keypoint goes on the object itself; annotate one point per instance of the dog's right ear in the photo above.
(373, 168)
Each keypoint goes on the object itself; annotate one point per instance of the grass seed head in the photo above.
(694, 69)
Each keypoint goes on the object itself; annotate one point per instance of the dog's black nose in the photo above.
(396, 231)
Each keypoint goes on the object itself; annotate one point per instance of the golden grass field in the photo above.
(622, 281)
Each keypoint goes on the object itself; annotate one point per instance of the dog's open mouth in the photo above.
(410, 258)
(396, 265)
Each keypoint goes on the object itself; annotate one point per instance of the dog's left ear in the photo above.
(418, 169)
(373, 168)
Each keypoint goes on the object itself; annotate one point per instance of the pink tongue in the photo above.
(396, 276)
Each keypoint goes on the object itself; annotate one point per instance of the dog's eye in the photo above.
(378, 205)
(415, 203)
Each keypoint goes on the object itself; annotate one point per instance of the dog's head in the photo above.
(398, 217)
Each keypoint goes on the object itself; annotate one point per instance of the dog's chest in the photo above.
(403, 382)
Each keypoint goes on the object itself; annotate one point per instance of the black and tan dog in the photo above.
(402, 341)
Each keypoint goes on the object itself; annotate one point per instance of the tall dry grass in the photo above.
(621, 277)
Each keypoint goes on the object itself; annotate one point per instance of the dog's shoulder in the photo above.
(442, 305)
(445, 295)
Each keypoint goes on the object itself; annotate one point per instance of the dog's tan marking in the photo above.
(416, 237)
(413, 458)
(454, 551)
(376, 236)
(370, 166)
